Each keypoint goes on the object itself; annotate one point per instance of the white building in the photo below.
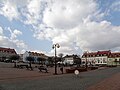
(96, 58)
(114, 59)
(33, 54)
(69, 59)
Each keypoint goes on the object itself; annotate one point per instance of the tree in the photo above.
(14, 58)
(61, 57)
(3, 58)
(50, 61)
(39, 60)
(30, 59)
(77, 60)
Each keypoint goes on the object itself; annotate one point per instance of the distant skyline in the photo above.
(77, 25)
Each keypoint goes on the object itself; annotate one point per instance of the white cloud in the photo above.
(61, 22)
(12, 42)
(116, 6)
(9, 10)
(1, 31)
(33, 12)
(78, 24)
(33, 9)
(98, 36)
(67, 14)
(5, 41)
(71, 23)
(14, 33)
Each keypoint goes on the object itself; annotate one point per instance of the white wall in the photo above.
(68, 60)
(26, 54)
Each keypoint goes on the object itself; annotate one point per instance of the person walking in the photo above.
(61, 69)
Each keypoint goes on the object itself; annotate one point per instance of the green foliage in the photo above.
(14, 57)
(41, 60)
(30, 59)
(77, 61)
(50, 60)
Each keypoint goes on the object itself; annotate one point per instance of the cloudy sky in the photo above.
(77, 25)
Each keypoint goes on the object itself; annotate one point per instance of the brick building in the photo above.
(5, 53)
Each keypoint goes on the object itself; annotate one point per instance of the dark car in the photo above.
(8, 61)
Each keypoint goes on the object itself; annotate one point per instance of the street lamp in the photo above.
(86, 59)
(54, 47)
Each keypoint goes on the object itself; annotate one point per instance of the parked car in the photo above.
(7, 61)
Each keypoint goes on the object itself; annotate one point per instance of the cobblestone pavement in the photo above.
(112, 83)
(86, 80)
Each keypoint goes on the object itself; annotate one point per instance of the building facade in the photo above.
(35, 55)
(114, 59)
(70, 59)
(5, 53)
(101, 58)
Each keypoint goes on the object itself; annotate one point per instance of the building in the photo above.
(35, 55)
(114, 59)
(70, 59)
(90, 58)
(21, 57)
(101, 58)
(5, 53)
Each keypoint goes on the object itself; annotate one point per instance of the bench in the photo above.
(42, 68)
(24, 66)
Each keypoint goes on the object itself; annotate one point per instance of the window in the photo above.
(98, 61)
(115, 60)
(98, 55)
(104, 61)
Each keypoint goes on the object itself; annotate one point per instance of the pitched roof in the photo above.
(104, 52)
(115, 54)
(93, 54)
(90, 54)
(8, 50)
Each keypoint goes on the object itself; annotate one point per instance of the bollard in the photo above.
(76, 72)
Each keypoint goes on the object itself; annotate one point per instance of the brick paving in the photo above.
(112, 83)
(22, 79)
(7, 72)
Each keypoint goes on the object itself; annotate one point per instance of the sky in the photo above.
(76, 25)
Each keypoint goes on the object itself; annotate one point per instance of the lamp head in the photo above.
(53, 47)
(58, 46)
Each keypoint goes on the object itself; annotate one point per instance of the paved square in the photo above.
(22, 79)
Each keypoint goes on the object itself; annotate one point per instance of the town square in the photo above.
(19, 74)
(22, 79)
(59, 44)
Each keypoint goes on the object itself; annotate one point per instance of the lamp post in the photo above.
(86, 59)
(54, 47)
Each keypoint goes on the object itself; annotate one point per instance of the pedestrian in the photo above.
(61, 69)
